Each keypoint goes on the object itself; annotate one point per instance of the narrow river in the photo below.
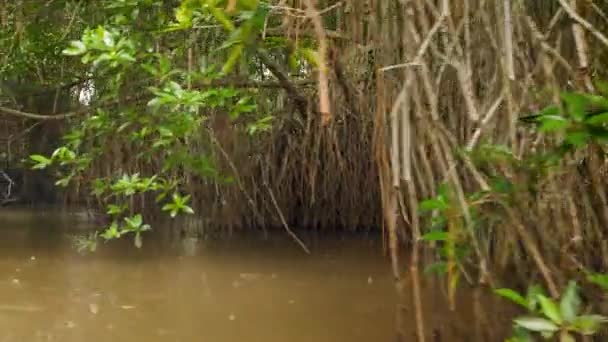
(239, 289)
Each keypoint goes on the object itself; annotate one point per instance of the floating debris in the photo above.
(70, 324)
(370, 280)
(249, 276)
(93, 308)
(127, 307)
(232, 317)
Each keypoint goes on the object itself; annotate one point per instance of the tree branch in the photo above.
(34, 116)
(584, 23)
(284, 83)
(300, 101)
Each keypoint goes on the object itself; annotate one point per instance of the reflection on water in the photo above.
(241, 289)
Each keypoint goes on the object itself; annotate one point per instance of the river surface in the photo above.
(238, 289)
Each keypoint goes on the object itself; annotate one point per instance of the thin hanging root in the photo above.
(324, 102)
(532, 248)
(416, 235)
(284, 222)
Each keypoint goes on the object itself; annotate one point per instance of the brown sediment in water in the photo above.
(243, 288)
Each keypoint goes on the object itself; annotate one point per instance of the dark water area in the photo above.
(245, 288)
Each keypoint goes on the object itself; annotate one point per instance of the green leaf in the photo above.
(134, 222)
(501, 185)
(310, 55)
(598, 279)
(536, 324)
(221, 17)
(42, 162)
(553, 123)
(439, 268)
(576, 105)
(432, 204)
(183, 15)
(602, 87)
(63, 182)
(578, 138)
(114, 209)
(233, 58)
(512, 296)
(597, 103)
(588, 324)
(76, 48)
(597, 119)
(550, 309)
(570, 302)
(160, 197)
(111, 232)
(436, 235)
(549, 110)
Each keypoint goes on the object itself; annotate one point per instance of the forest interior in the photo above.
(469, 134)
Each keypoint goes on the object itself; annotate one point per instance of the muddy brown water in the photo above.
(238, 289)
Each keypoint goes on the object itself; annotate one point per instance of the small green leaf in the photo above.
(114, 209)
(160, 197)
(63, 182)
(134, 222)
(234, 56)
(599, 279)
(588, 324)
(536, 324)
(111, 232)
(432, 204)
(439, 268)
(576, 105)
(310, 55)
(76, 48)
(512, 296)
(578, 138)
(549, 110)
(436, 235)
(597, 103)
(597, 119)
(570, 302)
(552, 123)
(550, 309)
(42, 162)
(602, 87)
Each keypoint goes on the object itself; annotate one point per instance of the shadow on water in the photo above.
(246, 288)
